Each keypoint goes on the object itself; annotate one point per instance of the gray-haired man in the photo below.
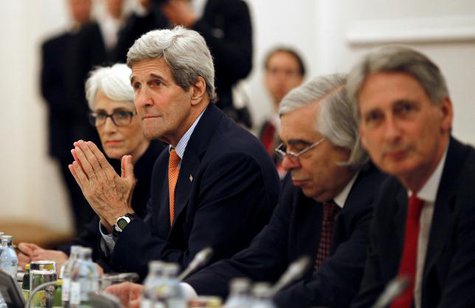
(215, 186)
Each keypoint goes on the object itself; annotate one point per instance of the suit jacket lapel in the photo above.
(184, 183)
(309, 229)
(194, 152)
(392, 250)
(444, 206)
(400, 218)
(163, 217)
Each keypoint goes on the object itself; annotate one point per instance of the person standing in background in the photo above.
(66, 117)
(284, 70)
(145, 17)
(227, 29)
(95, 46)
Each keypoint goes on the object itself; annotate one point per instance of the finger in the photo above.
(104, 170)
(81, 157)
(127, 167)
(78, 173)
(26, 248)
(23, 259)
(135, 303)
(121, 291)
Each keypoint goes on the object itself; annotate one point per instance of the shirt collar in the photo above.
(340, 199)
(428, 192)
(181, 146)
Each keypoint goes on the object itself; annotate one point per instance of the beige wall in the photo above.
(330, 34)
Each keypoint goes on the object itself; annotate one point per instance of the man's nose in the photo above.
(289, 163)
(142, 98)
(391, 129)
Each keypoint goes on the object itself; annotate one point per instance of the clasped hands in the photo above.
(108, 194)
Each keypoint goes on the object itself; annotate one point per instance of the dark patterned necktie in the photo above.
(330, 209)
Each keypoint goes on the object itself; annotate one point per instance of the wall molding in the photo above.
(412, 30)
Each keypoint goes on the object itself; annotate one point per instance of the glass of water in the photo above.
(42, 272)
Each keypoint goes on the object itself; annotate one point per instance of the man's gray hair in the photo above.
(335, 121)
(113, 81)
(185, 51)
(398, 59)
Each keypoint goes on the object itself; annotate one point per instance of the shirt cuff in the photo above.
(108, 240)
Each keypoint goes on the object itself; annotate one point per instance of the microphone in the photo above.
(200, 259)
(295, 270)
(394, 288)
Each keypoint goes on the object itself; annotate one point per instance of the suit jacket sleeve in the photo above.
(221, 214)
(374, 280)
(264, 260)
(460, 281)
(52, 76)
(335, 284)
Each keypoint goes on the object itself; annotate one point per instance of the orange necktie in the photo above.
(173, 170)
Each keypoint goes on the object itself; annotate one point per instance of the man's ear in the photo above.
(447, 114)
(198, 90)
(362, 136)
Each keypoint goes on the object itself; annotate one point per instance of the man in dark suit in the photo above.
(66, 118)
(144, 18)
(405, 116)
(215, 186)
(327, 166)
(226, 27)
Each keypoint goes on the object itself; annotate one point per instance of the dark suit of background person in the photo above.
(226, 27)
(91, 236)
(134, 26)
(293, 231)
(89, 51)
(67, 119)
(449, 272)
(226, 191)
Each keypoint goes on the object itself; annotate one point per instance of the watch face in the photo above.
(122, 223)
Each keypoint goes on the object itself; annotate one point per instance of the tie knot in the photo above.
(174, 159)
(329, 210)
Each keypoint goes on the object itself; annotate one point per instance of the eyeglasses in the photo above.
(118, 117)
(282, 152)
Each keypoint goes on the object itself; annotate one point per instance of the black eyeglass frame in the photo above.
(114, 116)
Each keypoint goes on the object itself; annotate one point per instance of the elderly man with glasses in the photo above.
(324, 209)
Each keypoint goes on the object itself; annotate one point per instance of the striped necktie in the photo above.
(330, 209)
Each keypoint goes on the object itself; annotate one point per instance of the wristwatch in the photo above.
(122, 222)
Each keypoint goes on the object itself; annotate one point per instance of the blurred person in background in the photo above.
(95, 46)
(67, 120)
(111, 101)
(145, 17)
(227, 29)
(284, 70)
